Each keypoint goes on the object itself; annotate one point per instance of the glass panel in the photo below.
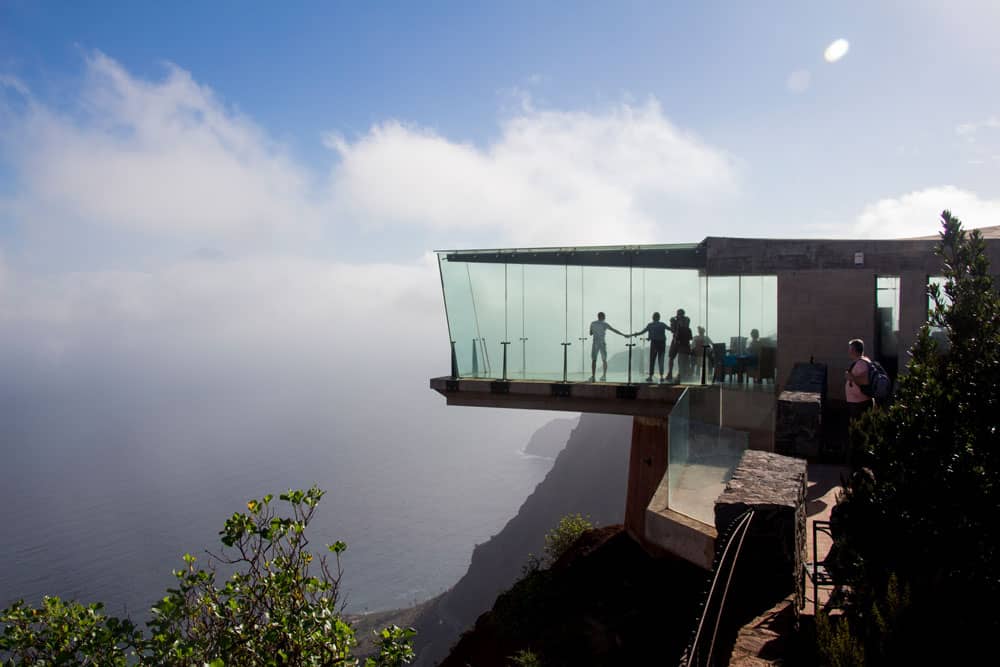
(938, 333)
(545, 323)
(516, 367)
(667, 291)
(678, 450)
(702, 455)
(488, 305)
(461, 323)
(759, 323)
(940, 281)
(723, 325)
(578, 357)
(887, 322)
(606, 290)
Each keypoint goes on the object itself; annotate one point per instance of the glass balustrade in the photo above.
(536, 314)
(702, 455)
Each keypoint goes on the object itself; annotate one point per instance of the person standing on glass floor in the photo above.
(598, 328)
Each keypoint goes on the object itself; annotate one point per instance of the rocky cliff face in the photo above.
(589, 477)
(550, 439)
(605, 602)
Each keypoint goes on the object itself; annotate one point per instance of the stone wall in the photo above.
(798, 427)
(770, 561)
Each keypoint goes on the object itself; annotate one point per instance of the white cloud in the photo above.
(167, 158)
(164, 157)
(552, 177)
(970, 130)
(917, 213)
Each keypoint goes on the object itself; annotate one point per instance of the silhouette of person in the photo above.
(698, 345)
(657, 331)
(597, 329)
(680, 325)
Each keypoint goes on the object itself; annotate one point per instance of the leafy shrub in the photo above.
(561, 538)
(525, 658)
(274, 609)
(917, 540)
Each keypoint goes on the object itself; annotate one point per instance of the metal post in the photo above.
(454, 362)
(505, 343)
(704, 361)
(524, 357)
(565, 358)
(629, 346)
(583, 359)
(475, 358)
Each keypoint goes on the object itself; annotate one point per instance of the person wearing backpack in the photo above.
(856, 377)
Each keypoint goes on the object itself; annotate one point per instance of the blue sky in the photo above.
(277, 170)
(879, 124)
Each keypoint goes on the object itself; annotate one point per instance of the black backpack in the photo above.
(879, 384)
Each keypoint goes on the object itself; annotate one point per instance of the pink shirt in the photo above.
(852, 391)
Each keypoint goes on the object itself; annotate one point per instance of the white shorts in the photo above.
(601, 347)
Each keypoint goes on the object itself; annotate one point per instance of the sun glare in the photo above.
(836, 50)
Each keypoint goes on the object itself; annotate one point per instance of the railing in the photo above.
(700, 650)
(701, 454)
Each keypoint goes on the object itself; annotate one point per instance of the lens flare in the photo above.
(836, 50)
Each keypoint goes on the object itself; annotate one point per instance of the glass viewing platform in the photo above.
(526, 314)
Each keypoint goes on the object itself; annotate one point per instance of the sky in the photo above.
(222, 194)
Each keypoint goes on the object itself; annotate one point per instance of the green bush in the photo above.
(917, 538)
(561, 538)
(278, 607)
(525, 658)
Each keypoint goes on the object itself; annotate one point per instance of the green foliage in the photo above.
(561, 538)
(557, 542)
(922, 504)
(62, 633)
(525, 658)
(837, 645)
(278, 607)
(840, 647)
(394, 647)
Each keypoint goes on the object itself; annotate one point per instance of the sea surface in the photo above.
(101, 498)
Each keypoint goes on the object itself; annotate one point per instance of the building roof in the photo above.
(992, 232)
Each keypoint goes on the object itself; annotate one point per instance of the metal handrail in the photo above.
(741, 523)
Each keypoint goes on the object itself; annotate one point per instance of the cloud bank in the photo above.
(551, 178)
(916, 213)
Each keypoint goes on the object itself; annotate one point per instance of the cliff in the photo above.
(589, 477)
(550, 439)
(604, 602)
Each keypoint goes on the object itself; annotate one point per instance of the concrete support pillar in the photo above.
(646, 468)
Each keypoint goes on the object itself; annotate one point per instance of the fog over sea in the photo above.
(99, 506)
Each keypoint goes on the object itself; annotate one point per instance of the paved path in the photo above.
(821, 496)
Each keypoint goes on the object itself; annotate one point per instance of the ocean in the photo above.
(101, 496)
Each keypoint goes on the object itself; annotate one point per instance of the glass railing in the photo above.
(539, 316)
(702, 454)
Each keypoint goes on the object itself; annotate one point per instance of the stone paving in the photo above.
(823, 488)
